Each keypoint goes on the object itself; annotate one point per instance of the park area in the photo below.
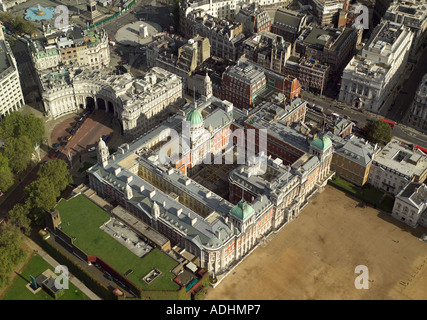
(315, 256)
(35, 266)
(81, 220)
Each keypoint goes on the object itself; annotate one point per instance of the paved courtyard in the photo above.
(130, 33)
(97, 124)
(315, 256)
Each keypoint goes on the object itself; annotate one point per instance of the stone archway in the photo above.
(110, 107)
(101, 104)
(90, 103)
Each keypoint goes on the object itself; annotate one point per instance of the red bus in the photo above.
(391, 123)
(421, 148)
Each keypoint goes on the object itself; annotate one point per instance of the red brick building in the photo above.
(242, 83)
(292, 87)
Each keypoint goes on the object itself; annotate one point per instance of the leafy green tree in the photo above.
(34, 129)
(16, 124)
(19, 152)
(6, 174)
(11, 251)
(19, 216)
(29, 28)
(18, 23)
(41, 198)
(12, 125)
(57, 173)
(6, 17)
(378, 132)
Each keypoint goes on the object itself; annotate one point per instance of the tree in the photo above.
(16, 124)
(6, 174)
(11, 251)
(12, 125)
(57, 173)
(34, 129)
(29, 27)
(18, 23)
(18, 151)
(41, 198)
(378, 132)
(19, 216)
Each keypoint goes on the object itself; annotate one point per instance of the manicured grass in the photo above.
(34, 267)
(81, 219)
(366, 193)
(162, 262)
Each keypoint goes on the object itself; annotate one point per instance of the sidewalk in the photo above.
(54, 264)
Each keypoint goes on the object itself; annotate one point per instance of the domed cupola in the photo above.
(195, 118)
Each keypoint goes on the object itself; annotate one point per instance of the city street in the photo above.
(400, 131)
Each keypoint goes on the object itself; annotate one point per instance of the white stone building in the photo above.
(79, 48)
(216, 231)
(225, 8)
(327, 11)
(397, 165)
(136, 102)
(11, 97)
(412, 14)
(370, 76)
(410, 205)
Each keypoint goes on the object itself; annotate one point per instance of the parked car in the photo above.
(91, 149)
(318, 108)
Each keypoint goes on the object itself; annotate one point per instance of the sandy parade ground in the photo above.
(315, 256)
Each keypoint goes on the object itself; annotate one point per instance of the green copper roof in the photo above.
(194, 117)
(242, 210)
(321, 142)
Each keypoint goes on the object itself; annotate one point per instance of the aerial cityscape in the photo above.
(213, 150)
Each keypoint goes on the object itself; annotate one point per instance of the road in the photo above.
(400, 131)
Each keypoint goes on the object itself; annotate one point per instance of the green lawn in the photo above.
(366, 193)
(34, 267)
(81, 219)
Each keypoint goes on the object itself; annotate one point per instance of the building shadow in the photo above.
(416, 232)
(22, 277)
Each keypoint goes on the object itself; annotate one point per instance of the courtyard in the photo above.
(214, 176)
(315, 256)
(97, 124)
